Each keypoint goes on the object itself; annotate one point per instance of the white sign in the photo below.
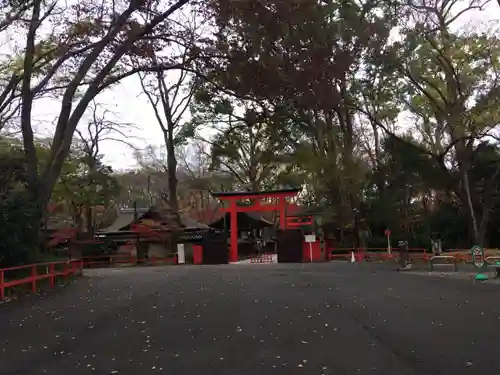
(181, 256)
(310, 238)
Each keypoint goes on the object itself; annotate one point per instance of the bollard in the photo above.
(403, 253)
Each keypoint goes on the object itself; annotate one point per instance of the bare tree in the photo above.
(11, 16)
(153, 161)
(98, 185)
(170, 96)
(103, 127)
(195, 179)
(199, 180)
(12, 11)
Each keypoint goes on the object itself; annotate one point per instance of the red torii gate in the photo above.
(255, 205)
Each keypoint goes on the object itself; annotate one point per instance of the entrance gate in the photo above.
(254, 205)
(289, 244)
(215, 248)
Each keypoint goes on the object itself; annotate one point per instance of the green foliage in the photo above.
(19, 210)
(83, 185)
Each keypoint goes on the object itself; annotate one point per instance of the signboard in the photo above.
(184, 236)
(310, 238)
(478, 256)
(181, 255)
(387, 232)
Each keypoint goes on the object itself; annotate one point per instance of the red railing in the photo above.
(262, 258)
(375, 254)
(340, 253)
(415, 254)
(126, 259)
(34, 273)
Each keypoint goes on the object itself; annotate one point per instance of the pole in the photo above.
(282, 212)
(404, 256)
(310, 252)
(233, 232)
(149, 191)
(389, 248)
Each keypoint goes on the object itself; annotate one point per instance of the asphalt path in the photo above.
(254, 319)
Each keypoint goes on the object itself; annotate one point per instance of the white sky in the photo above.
(127, 102)
(131, 106)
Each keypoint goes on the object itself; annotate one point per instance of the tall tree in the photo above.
(93, 46)
(450, 84)
(301, 60)
(200, 180)
(243, 141)
(170, 97)
(93, 183)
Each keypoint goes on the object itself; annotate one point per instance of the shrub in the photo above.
(19, 213)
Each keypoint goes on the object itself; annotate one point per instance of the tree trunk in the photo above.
(77, 217)
(470, 206)
(171, 168)
(88, 218)
(403, 250)
(405, 211)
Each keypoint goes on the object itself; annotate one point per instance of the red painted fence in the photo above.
(34, 273)
(415, 254)
(126, 259)
(262, 258)
(375, 254)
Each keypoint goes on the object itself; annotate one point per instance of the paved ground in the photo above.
(255, 319)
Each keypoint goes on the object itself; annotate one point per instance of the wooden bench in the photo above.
(445, 258)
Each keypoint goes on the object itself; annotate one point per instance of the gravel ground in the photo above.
(260, 319)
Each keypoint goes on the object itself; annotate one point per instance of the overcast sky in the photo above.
(130, 106)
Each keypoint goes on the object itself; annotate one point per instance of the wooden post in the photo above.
(233, 252)
(2, 288)
(66, 272)
(282, 209)
(33, 278)
(52, 275)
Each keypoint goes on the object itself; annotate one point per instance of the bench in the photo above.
(444, 258)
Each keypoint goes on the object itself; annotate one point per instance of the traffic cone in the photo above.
(353, 258)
